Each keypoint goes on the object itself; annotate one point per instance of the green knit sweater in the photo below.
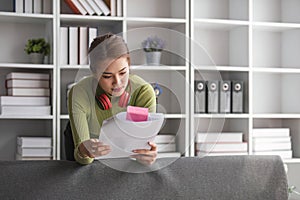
(86, 116)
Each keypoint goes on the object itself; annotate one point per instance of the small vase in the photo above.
(153, 58)
(36, 58)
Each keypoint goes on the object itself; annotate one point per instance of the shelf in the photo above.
(277, 116)
(25, 117)
(222, 68)
(281, 70)
(219, 23)
(274, 26)
(166, 116)
(74, 67)
(158, 68)
(154, 20)
(24, 65)
(227, 116)
(292, 160)
(25, 17)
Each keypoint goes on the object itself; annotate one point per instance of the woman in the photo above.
(107, 92)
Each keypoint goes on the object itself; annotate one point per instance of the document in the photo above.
(123, 135)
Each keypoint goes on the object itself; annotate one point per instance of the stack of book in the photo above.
(220, 144)
(28, 94)
(33, 6)
(166, 146)
(96, 7)
(272, 141)
(34, 148)
(74, 44)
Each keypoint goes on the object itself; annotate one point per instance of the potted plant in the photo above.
(37, 49)
(153, 47)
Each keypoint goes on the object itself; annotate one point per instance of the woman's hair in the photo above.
(104, 50)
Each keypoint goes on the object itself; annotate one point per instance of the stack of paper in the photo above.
(272, 141)
(224, 143)
(124, 136)
(28, 94)
(34, 148)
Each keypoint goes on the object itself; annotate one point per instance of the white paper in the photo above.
(123, 135)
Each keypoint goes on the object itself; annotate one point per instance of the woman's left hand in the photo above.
(146, 156)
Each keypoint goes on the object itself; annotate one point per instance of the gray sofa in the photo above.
(236, 177)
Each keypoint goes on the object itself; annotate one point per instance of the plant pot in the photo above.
(153, 58)
(36, 58)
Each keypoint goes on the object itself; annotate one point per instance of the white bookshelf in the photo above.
(16, 29)
(256, 41)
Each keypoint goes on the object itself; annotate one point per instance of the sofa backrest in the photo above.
(228, 177)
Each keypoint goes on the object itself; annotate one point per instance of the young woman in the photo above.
(107, 92)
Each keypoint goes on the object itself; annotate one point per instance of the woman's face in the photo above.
(115, 78)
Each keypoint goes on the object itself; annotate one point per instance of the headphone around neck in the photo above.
(104, 102)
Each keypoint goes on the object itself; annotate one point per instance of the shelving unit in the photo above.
(259, 44)
(16, 29)
(256, 41)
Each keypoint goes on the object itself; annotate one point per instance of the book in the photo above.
(37, 6)
(19, 6)
(73, 45)
(95, 7)
(222, 147)
(28, 5)
(102, 5)
(34, 152)
(47, 7)
(271, 139)
(283, 154)
(73, 7)
(19, 83)
(171, 147)
(63, 56)
(112, 4)
(270, 132)
(34, 141)
(19, 157)
(29, 101)
(25, 110)
(272, 146)
(119, 8)
(168, 155)
(219, 137)
(164, 138)
(35, 92)
(78, 5)
(83, 45)
(87, 7)
(92, 33)
(24, 75)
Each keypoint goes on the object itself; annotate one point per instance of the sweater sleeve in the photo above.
(78, 108)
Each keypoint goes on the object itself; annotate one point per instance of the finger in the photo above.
(144, 159)
(103, 148)
(153, 146)
(102, 153)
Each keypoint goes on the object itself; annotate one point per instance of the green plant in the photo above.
(38, 45)
(153, 43)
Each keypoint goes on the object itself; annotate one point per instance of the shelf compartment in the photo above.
(277, 47)
(221, 9)
(218, 44)
(175, 52)
(10, 129)
(207, 75)
(293, 124)
(12, 50)
(286, 11)
(173, 84)
(275, 93)
(218, 125)
(166, 8)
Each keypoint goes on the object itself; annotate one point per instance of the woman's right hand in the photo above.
(93, 148)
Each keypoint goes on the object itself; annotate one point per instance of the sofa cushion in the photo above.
(228, 177)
